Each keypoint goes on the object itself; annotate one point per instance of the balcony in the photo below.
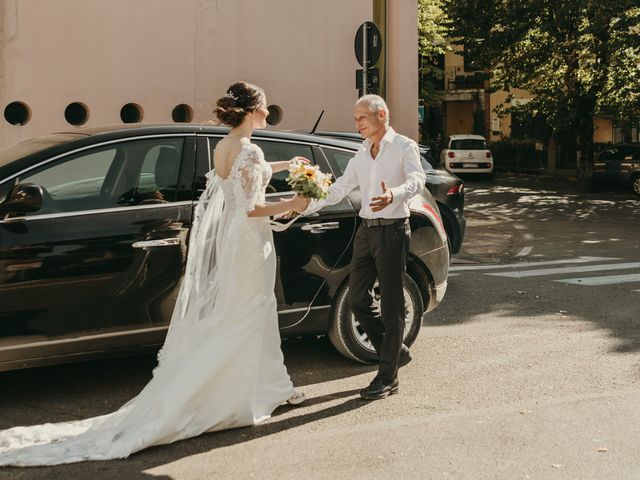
(457, 79)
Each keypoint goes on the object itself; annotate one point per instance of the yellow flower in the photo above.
(309, 172)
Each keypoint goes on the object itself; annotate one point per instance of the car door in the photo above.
(612, 162)
(602, 162)
(310, 250)
(97, 267)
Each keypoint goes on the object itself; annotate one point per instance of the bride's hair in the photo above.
(240, 99)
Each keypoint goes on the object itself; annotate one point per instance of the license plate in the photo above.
(469, 165)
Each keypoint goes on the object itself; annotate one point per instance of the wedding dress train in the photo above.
(221, 365)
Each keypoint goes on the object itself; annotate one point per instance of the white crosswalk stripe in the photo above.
(562, 270)
(461, 268)
(607, 280)
(565, 267)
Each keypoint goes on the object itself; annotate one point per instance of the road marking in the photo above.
(459, 268)
(608, 280)
(524, 252)
(561, 270)
(528, 236)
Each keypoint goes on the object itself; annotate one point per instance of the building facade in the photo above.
(73, 63)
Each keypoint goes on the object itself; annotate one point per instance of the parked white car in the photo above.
(467, 154)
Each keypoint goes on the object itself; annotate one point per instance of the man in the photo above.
(388, 171)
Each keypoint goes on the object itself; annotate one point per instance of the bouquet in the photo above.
(307, 180)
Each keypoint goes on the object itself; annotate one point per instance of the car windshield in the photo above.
(22, 149)
(468, 144)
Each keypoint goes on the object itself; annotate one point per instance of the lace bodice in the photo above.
(247, 181)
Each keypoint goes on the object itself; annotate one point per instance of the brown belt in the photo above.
(381, 222)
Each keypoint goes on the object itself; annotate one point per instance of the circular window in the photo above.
(17, 113)
(131, 113)
(275, 114)
(182, 113)
(76, 113)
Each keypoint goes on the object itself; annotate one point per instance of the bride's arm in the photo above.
(267, 209)
(284, 165)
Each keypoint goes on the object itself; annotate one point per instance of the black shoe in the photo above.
(379, 389)
(405, 357)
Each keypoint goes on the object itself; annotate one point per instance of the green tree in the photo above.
(576, 58)
(432, 44)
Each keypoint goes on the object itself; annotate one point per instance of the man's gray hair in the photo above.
(375, 103)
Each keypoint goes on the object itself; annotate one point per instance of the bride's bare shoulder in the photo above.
(225, 153)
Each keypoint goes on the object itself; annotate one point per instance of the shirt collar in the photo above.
(387, 138)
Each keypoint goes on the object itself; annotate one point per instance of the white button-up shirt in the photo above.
(397, 165)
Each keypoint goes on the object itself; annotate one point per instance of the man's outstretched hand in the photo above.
(378, 203)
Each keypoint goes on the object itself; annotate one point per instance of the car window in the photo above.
(116, 175)
(608, 153)
(34, 145)
(626, 151)
(468, 144)
(426, 164)
(275, 151)
(5, 188)
(338, 159)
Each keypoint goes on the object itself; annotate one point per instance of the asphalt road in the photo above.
(529, 369)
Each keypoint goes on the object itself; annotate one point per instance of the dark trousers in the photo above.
(381, 252)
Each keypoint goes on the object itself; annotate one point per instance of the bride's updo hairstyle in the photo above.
(241, 98)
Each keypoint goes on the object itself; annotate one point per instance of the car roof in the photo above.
(466, 137)
(126, 130)
(63, 141)
(352, 135)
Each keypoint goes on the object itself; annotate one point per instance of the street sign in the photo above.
(374, 44)
(373, 80)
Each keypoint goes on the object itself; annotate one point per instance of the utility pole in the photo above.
(380, 19)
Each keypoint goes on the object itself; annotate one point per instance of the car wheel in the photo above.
(635, 182)
(347, 335)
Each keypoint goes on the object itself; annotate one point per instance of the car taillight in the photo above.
(434, 215)
(451, 155)
(488, 154)
(456, 189)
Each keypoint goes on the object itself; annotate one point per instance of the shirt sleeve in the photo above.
(337, 190)
(414, 174)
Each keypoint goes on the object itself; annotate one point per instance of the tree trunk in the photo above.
(585, 113)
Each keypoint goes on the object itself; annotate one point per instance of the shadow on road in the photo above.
(75, 391)
(561, 224)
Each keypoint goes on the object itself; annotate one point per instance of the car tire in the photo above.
(347, 336)
(635, 184)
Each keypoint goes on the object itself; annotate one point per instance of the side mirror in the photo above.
(23, 198)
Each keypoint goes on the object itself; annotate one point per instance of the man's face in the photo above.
(367, 122)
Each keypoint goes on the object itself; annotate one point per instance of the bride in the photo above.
(221, 365)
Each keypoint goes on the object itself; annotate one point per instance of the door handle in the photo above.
(165, 242)
(320, 227)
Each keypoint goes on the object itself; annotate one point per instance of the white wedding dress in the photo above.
(221, 365)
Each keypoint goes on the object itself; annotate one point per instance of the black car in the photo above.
(93, 238)
(447, 189)
(619, 163)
